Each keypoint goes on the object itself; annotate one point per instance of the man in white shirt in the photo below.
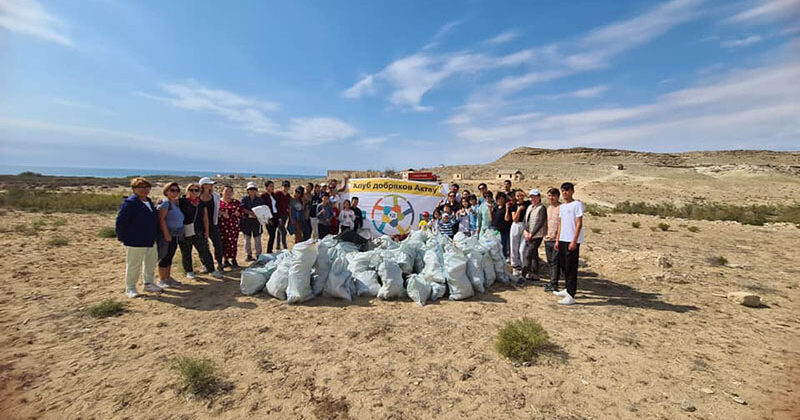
(570, 238)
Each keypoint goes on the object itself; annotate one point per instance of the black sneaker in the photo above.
(249, 258)
(220, 268)
(550, 288)
(227, 263)
(234, 264)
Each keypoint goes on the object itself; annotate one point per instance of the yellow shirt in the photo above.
(423, 224)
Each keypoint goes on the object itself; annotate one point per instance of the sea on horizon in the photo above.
(128, 172)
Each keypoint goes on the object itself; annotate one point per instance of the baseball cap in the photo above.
(447, 215)
(206, 180)
(535, 191)
(252, 186)
(425, 213)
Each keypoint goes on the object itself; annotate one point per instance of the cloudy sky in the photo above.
(301, 86)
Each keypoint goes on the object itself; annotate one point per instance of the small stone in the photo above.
(745, 298)
(133, 346)
(191, 397)
(688, 406)
(465, 376)
(707, 390)
(664, 262)
(739, 400)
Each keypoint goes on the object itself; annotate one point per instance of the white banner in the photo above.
(393, 206)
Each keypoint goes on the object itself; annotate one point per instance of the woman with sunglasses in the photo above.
(170, 223)
(137, 228)
(196, 220)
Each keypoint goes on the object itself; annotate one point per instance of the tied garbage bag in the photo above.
(254, 279)
(323, 264)
(392, 279)
(489, 274)
(367, 283)
(362, 261)
(455, 263)
(263, 259)
(299, 289)
(434, 270)
(279, 280)
(418, 289)
(340, 281)
(437, 291)
(491, 241)
(402, 258)
(475, 270)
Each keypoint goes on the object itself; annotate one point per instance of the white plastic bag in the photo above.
(279, 280)
(367, 283)
(456, 267)
(434, 270)
(263, 214)
(475, 270)
(299, 289)
(418, 289)
(392, 279)
(253, 280)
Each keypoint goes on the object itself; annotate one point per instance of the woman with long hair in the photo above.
(230, 209)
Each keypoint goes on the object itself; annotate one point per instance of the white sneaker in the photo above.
(562, 293)
(131, 293)
(516, 272)
(162, 284)
(150, 287)
(569, 300)
(203, 270)
(190, 275)
(217, 274)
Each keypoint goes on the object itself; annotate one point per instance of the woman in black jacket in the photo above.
(196, 236)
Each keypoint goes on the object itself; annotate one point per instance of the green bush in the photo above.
(106, 308)
(596, 210)
(33, 200)
(25, 230)
(693, 229)
(107, 232)
(521, 340)
(718, 261)
(198, 376)
(663, 226)
(756, 214)
(636, 225)
(58, 241)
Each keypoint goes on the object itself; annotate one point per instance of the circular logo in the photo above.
(393, 214)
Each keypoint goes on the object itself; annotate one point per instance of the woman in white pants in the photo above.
(137, 228)
(516, 241)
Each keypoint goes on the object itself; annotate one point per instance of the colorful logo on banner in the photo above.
(395, 211)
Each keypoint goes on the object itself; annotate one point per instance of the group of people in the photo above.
(523, 222)
(152, 232)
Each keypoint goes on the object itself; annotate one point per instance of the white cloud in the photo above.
(502, 38)
(755, 107)
(313, 131)
(365, 86)
(372, 142)
(29, 17)
(768, 10)
(736, 43)
(250, 113)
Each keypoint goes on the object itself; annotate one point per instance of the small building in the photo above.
(512, 175)
(404, 174)
(458, 176)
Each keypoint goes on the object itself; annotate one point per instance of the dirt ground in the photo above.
(646, 339)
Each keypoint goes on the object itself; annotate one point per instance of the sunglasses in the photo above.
(194, 190)
(174, 190)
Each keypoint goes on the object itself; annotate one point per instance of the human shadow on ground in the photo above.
(208, 294)
(604, 292)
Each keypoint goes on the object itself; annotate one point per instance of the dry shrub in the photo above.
(197, 375)
(106, 308)
(521, 340)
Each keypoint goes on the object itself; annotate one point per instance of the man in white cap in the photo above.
(535, 225)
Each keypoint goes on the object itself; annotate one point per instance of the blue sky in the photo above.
(302, 86)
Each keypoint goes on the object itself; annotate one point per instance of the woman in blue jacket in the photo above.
(137, 228)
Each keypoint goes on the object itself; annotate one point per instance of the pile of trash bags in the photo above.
(423, 267)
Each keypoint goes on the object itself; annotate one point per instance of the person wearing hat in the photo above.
(249, 224)
(535, 230)
(210, 201)
(447, 226)
(425, 219)
(230, 211)
(282, 201)
(137, 229)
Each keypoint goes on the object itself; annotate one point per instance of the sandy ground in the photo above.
(645, 340)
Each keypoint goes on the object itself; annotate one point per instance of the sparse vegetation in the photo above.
(597, 230)
(25, 230)
(718, 261)
(106, 308)
(636, 225)
(107, 232)
(663, 226)
(596, 210)
(521, 340)
(58, 241)
(693, 229)
(750, 215)
(197, 375)
(28, 199)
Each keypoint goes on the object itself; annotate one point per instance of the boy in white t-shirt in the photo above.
(570, 238)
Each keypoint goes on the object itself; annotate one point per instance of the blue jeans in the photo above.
(504, 238)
